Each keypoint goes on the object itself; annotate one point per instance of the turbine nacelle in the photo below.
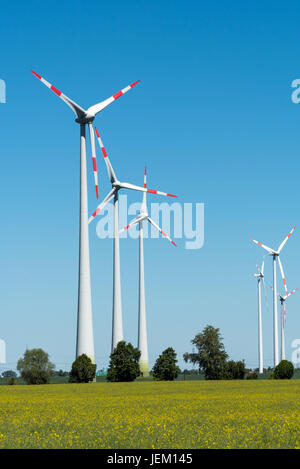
(117, 185)
(260, 275)
(142, 216)
(85, 118)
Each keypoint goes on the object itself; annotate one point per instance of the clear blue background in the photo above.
(213, 120)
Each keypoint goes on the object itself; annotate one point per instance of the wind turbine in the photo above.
(142, 328)
(283, 318)
(260, 277)
(282, 300)
(85, 338)
(275, 254)
(117, 325)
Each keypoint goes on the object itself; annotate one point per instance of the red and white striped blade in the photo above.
(110, 171)
(93, 110)
(282, 275)
(144, 202)
(134, 222)
(291, 292)
(126, 185)
(285, 239)
(92, 139)
(263, 246)
(102, 205)
(161, 231)
(78, 110)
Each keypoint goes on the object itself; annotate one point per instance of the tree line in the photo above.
(210, 356)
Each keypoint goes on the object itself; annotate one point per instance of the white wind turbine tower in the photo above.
(117, 323)
(275, 254)
(260, 277)
(142, 328)
(85, 338)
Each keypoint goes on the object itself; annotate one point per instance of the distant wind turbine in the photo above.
(283, 320)
(282, 300)
(142, 327)
(275, 254)
(260, 277)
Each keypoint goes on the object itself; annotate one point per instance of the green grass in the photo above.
(149, 414)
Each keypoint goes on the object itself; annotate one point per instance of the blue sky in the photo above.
(213, 120)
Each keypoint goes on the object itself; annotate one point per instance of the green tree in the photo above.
(35, 367)
(165, 368)
(83, 370)
(284, 370)
(124, 363)
(210, 356)
(234, 370)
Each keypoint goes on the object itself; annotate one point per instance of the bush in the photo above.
(83, 370)
(35, 367)
(165, 368)
(284, 370)
(124, 363)
(12, 381)
(253, 375)
(234, 370)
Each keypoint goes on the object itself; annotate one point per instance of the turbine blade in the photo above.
(282, 275)
(263, 266)
(144, 202)
(285, 239)
(161, 231)
(78, 110)
(292, 292)
(93, 110)
(110, 171)
(126, 185)
(103, 203)
(263, 246)
(136, 220)
(92, 139)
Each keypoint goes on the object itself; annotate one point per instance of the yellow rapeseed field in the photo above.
(195, 414)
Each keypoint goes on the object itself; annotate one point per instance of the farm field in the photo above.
(190, 414)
